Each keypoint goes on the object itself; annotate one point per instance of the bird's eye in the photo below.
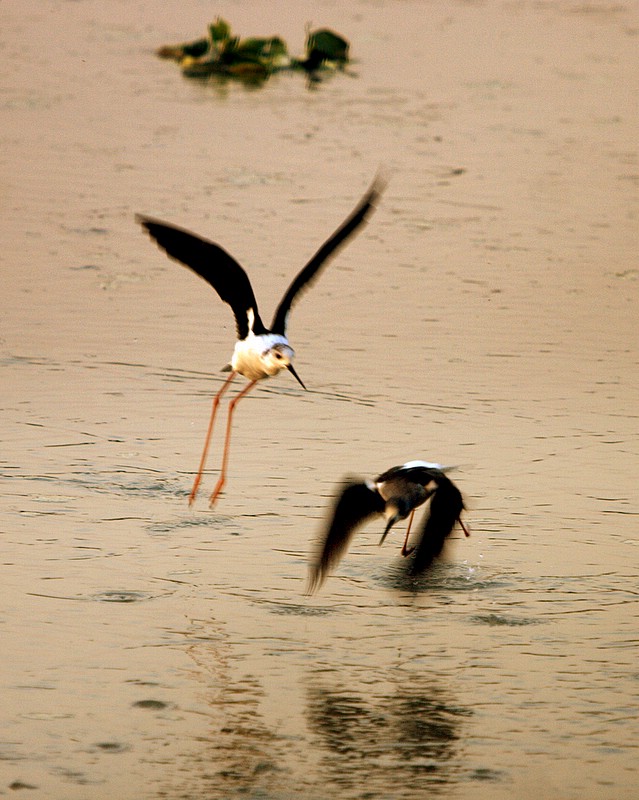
(278, 355)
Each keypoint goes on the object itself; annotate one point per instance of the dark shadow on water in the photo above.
(406, 738)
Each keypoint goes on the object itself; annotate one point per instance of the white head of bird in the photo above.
(278, 357)
(262, 356)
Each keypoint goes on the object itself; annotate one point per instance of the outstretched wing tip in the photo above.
(314, 582)
(380, 182)
(310, 272)
(146, 221)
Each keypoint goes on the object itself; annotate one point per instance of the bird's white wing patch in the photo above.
(425, 465)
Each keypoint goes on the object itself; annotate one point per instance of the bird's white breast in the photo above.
(249, 356)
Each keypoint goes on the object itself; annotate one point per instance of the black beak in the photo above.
(296, 376)
(395, 518)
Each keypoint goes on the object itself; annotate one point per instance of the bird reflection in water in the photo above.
(378, 742)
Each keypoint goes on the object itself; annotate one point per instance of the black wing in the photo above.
(355, 504)
(212, 263)
(445, 509)
(311, 271)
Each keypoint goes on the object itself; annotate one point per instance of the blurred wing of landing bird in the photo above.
(395, 494)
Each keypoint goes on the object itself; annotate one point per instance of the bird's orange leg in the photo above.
(209, 432)
(227, 441)
(406, 551)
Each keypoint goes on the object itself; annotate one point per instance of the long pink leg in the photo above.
(209, 432)
(406, 551)
(463, 527)
(227, 441)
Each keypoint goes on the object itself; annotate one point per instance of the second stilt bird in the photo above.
(259, 352)
(396, 494)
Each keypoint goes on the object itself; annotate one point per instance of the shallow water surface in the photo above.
(486, 317)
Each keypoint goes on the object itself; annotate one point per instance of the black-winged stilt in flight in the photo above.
(259, 352)
(396, 494)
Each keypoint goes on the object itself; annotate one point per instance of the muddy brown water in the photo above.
(486, 317)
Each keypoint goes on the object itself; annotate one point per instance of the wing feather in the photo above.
(311, 271)
(445, 509)
(215, 265)
(354, 505)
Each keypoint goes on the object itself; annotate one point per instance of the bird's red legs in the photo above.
(463, 527)
(406, 551)
(216, 403)
(227, 441)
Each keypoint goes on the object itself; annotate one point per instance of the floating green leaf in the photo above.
(178, 51)
(328, 44)
(219, 31)
(255, 58)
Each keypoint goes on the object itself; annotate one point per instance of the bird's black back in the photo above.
(311, 271)
(421, 475)
(212, 263)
